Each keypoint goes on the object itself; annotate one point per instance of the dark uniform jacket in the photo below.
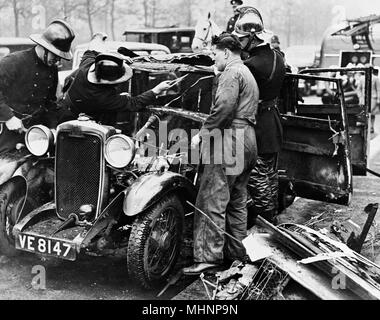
(27, 91)
(260, 60)
(27, 87)
(231, 23)
(102, 102)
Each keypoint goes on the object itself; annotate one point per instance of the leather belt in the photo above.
(267, 105)
(244, 122)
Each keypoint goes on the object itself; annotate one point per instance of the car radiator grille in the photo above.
(78, 172)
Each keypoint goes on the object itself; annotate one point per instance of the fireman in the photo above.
(28, 84)
(268, 67)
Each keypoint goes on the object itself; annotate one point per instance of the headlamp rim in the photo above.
(49, 135)
(130, 142)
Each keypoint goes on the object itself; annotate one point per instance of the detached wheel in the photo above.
(155, 241)
(11, 202)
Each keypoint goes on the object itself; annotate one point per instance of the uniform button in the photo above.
(35, 85)
(36, 73)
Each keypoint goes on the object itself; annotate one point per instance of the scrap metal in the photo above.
(362, 275)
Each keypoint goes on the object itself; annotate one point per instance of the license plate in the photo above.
(50, 247)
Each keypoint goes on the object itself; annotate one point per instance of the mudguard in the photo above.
(151, 188)
(36, 177)
(16, 183)
(10, 165)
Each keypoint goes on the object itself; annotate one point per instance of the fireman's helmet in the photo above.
(249, 22)
(57, 38)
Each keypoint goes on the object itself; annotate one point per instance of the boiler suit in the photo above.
(222, 195)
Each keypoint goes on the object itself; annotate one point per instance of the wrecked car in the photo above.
(94, 189)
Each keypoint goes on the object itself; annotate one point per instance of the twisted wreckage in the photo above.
(94, 190)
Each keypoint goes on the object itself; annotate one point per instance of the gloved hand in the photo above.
(163, 86)
(15, 124)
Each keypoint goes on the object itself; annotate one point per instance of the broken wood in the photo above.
(358, 277)
(356, 243)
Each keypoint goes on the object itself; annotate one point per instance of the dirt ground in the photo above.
(92, 278)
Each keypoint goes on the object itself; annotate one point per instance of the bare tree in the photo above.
(92, 8)
(112, 4)
(16, 13)
(69, 7)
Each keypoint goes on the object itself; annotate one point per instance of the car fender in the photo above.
(16, 183)
(148, 189)
(11, 166)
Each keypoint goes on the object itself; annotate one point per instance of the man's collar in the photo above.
(233, 61)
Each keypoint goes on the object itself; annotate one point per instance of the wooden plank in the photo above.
(195, 291)
(307, 276)
(357, 284)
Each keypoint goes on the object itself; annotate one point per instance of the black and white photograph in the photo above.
(189, 156)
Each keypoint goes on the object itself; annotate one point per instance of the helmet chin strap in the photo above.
(253, 40)
(249, 43)
(46, 55)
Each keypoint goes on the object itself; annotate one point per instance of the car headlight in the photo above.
(39, 140)
(119, 151)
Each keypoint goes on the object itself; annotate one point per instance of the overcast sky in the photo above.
(354, 8)
(362, 7)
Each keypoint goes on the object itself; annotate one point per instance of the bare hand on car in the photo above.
(162, 87)
(15, 124)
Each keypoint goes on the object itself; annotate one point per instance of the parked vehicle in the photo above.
(91, 189)
(176, 39)
(9, 45)
(362, 34)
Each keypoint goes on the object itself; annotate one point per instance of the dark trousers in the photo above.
(263, 186)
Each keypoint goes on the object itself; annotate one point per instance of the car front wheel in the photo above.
(11, 203)
(155, 241)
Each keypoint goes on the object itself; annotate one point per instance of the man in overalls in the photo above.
(222, 195)
(268, 67)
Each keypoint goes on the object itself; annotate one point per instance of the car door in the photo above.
(315, 161)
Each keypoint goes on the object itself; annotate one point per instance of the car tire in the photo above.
(11, 203)
(150, 242)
